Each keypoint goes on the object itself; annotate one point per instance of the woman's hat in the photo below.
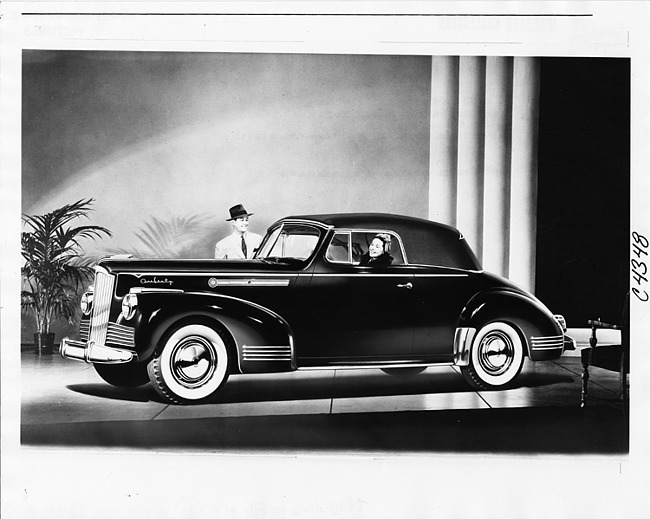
(238, 211)
(386, 238)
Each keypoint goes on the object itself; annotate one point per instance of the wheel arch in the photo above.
(529, 317)
(166, 324)
(242, 322)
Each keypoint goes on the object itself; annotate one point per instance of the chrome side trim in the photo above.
(147, 290)
(481, 271)
(266, 353)
(462, 345)
(552, 342)
(208, 274)
(375, 365)
(440, 275)
(369, 273)
(248, 282)
(94, 353)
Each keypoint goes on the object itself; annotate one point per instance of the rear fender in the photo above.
(251, 328)
(529, 317)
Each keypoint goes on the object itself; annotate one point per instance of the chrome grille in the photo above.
(265, 353)
(120, 335)
(102, 297)
(551, 342)
(84, 330)
(116, 334)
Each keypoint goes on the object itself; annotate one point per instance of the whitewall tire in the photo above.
(191, 364)
(496, 357)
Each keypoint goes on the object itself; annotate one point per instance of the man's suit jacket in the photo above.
(230, 246)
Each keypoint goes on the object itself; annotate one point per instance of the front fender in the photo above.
(263, 340)
(542, 336)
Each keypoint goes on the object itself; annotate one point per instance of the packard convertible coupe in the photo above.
(307, 301)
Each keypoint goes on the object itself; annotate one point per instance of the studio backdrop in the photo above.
(180, 137)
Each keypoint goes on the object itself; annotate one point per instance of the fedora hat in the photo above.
(238, 211)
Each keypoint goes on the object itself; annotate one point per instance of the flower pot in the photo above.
(43, 343)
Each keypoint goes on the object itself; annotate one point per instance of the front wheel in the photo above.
(190, 365)
(496, 357)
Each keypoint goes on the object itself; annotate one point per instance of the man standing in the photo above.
(241, 244)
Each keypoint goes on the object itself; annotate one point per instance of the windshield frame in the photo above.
(275, 232)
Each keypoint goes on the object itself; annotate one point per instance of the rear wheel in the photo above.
(131, 374)
(496, 357)
(190, 365)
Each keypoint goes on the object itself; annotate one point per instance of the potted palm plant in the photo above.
(54, 268)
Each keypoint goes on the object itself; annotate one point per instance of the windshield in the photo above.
(289, 241)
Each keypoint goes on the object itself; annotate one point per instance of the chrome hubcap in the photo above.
(496, 352)
(193, 361)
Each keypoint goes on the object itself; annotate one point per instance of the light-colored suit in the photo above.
(230, 246)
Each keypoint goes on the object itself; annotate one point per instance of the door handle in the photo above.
(408, 285)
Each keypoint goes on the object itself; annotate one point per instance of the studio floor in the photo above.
(65, 403)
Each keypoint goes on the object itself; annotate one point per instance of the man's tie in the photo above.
(244, 249)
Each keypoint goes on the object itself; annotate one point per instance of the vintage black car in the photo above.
(305, 302)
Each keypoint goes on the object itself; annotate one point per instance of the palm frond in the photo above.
(171, 238)
(54, 266)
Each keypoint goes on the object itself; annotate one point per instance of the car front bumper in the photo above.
(569, 343)
(94, 353)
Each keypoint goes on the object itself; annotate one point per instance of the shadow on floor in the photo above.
(244, 388)
(553, 430)
(144, 393)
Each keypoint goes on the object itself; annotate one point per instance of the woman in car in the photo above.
(378, 252)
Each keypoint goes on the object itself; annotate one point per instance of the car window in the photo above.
(348, 246)
(295, 241)
(361, 242)
(339, 248)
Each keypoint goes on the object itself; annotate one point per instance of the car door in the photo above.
(440, 295)
(355, 314)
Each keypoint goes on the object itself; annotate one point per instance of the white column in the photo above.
(443, 139)
(471, 132)
(496, 207)
(483, 159)
(523, 194)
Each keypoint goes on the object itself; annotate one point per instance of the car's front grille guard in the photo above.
(117, 334)
(102, 296)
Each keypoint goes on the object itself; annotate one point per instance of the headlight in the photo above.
(86, 303)
(129, 305)
(561, 321)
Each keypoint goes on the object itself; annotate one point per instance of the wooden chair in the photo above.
(611, 357)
